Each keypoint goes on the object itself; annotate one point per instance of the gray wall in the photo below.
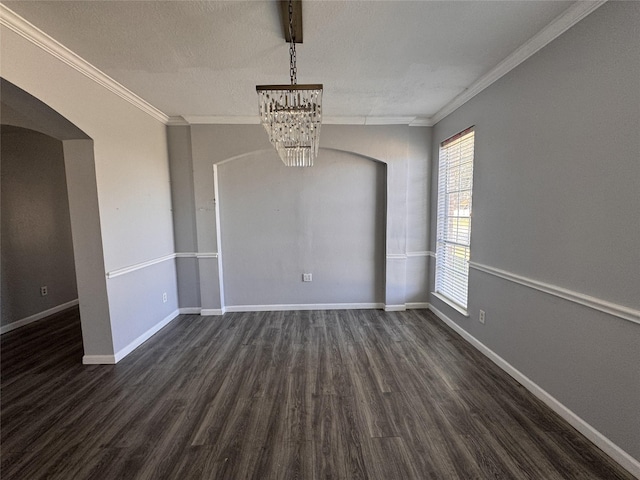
(124, 198)
(556, 201)
(19, 108)
(184, 216)
(357, 220)
(278, 222)
(87, 246)
(37, 248)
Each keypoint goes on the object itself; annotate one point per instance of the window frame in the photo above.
(454, 219)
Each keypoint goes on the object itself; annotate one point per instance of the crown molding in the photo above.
(355, 120)
(222, 119)
(177, 121)
(368, 120)
(553, 30)
(388, 120)
(422, 122)
(254, 120)
(30, 32)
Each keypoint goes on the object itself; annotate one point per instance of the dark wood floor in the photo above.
(281, 395)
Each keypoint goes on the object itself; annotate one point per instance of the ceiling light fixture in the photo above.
(292, 114)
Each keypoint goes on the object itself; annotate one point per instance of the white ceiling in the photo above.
(375, 58)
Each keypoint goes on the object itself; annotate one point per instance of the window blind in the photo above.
(455, 184)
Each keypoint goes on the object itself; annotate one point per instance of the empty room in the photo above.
(304, 239)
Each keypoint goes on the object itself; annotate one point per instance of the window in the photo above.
(455, 182)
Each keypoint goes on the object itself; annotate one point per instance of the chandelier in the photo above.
(292, 114)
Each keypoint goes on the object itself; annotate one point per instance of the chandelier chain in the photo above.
(293, 69)
(292, 114)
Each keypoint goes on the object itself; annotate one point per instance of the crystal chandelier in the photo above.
(292, 114)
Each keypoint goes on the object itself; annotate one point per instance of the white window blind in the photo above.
(455, 183)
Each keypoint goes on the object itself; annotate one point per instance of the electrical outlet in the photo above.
(306, 277)
(481, 317)
(44, 291)
(164, 297)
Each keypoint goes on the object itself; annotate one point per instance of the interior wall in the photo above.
(19, 108)
(555, 205)
(130, 162)
(184, 216)
(360, 153)
(37, 248)
(278, 223)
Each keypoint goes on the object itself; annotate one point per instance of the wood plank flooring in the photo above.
(280, 395)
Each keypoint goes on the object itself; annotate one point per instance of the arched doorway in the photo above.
(20, 109)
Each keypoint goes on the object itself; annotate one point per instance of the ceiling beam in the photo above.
(297, 19)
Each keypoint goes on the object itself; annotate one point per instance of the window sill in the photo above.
(451, 303)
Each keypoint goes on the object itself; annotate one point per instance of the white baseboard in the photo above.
(395, 308)
(190, 311)
(120, 354)
(303, 306)
(37, 316)
(616, 453)
(417, 305)
(98, 359)
(205, 312)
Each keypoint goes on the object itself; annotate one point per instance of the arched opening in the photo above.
(36, 125)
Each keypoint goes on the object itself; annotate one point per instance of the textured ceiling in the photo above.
(375, 58)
